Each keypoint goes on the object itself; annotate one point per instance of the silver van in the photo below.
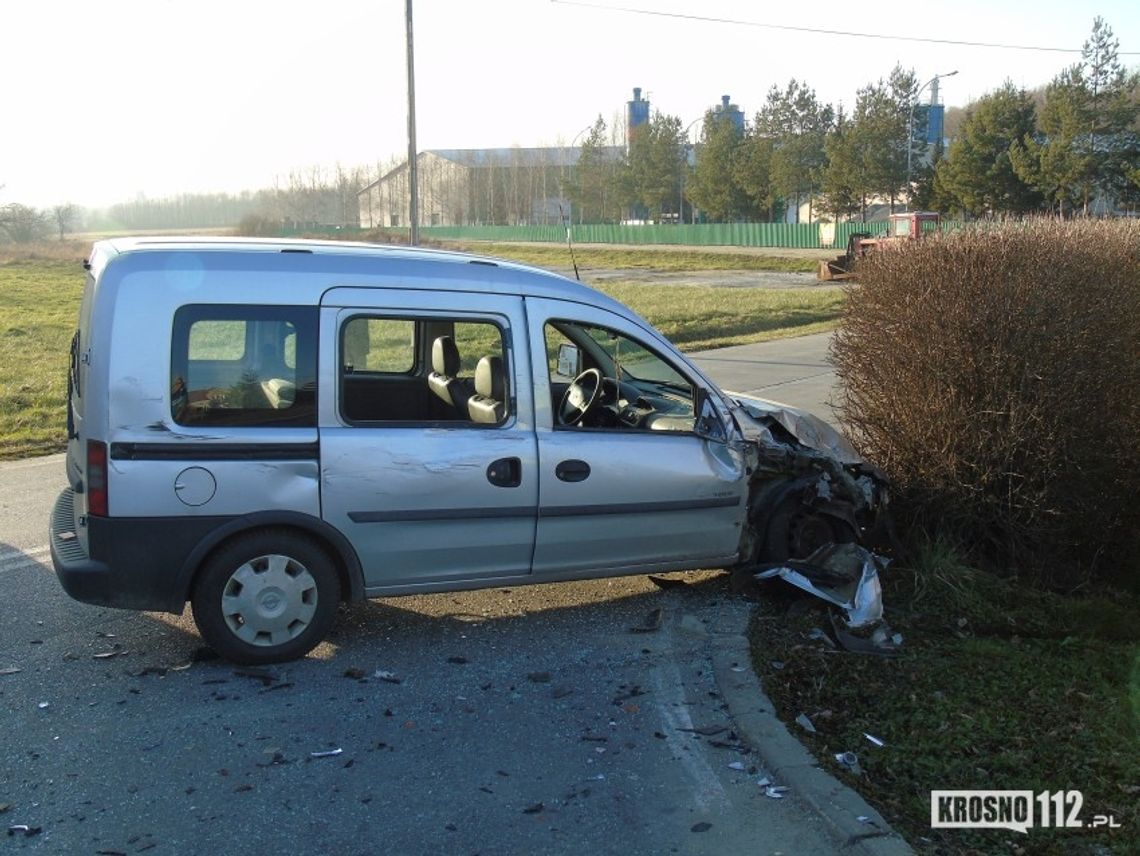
(267, 428)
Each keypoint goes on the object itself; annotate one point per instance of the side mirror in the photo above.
(569, 360)
(708, 423)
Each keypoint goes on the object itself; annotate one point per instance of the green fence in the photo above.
(790, 235)
(797, 235)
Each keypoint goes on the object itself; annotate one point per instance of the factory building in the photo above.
(505, 186)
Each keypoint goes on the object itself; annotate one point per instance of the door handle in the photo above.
(572, 471)
(505, 472)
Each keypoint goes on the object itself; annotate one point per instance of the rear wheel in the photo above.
(266, 597)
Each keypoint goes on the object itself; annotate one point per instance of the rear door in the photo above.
(424, 493)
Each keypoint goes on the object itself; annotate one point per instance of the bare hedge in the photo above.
(995, 375)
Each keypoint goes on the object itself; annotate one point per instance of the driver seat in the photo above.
(486, 405)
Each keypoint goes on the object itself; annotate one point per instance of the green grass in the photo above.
(41, 304)
(37, 319)
(545, 255)
(999, 687)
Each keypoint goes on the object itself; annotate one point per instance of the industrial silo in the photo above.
(637, 113)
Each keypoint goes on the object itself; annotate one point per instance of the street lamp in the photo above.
(910, 127)
(681, 194)
(569, 204)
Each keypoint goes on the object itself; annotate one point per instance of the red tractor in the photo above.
(902, 227)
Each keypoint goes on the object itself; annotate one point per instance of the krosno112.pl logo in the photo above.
(1016, 810)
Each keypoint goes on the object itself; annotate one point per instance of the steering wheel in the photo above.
(580, 398)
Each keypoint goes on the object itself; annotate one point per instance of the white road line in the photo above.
(707, 791)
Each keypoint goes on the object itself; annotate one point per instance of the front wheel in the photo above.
(266, 597)
(795, 531)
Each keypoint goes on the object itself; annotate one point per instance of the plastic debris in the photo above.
(875, 741)
(327, 753)
(264, 675)
(845, 575)
(817, 635)
(777, 665)
(652, 622)
(24, 829)
(44, 705)
(776, 792)
(879, 642)
(763, 781)
(534, 809)
(849, 761)
(866, 820)
(10, 670)
(805, 723)
(738, 766)
(705, 730)
(389, 677)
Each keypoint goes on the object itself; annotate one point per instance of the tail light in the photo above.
(96, 478)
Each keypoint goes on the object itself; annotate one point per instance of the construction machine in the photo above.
(909, 226)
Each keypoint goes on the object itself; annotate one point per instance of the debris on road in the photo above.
(355, 674)
(44, 705)
(534, 809)
(706, 730)
(805, 723)
(776, 792)
(264, 675)
(539, 677)
(10, 670)
(703, 826)
(25, 830)
(327, 753)
(739, 766)
(386, 676)
(457, 661)
(652, 622)
(875, 740)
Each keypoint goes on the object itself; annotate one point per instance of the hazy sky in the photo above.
(105, 100)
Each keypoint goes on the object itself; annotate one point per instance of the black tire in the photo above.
(266, 597)
(795, 531)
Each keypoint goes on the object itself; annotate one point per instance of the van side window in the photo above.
(244, 365)
(422, 370)
(385, 345)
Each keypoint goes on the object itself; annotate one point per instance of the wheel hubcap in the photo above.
(269, 600)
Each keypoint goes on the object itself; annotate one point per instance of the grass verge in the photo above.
(37, 319)
(545, 255)
(998, 687)
(41, 303)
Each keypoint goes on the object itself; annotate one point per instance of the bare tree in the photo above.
(64, 216)
(23, 223)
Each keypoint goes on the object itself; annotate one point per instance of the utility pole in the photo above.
(413, 185)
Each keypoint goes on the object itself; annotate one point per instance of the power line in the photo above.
(823, 32)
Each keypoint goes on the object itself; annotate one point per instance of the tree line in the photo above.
(303, 198)
(1078, 152)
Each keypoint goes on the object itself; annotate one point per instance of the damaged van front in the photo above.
(809, 487)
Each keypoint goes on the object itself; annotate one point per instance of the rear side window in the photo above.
(244, 365)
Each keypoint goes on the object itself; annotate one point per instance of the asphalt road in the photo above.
(520, 720)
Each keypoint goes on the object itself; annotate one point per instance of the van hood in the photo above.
(809, 430)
